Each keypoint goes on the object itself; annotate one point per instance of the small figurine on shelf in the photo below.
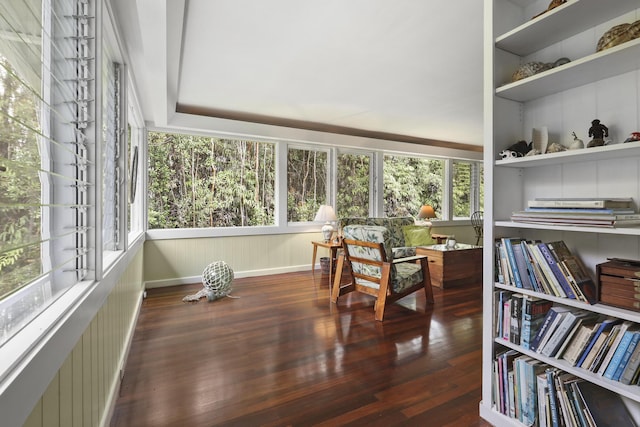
(635, 136)
(577, 142)
(519, 149)
(598, 131)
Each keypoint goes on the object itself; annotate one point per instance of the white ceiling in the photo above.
(411, 68)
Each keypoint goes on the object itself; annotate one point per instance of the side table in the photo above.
(453, 266)
(332, 246)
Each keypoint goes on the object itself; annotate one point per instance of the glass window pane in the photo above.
(198, 181)
(306, 183)
(20, 187)
(410, 182)
(462, 187)
(353, 185)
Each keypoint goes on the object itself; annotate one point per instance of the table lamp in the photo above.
(426, 212)
(327, 214)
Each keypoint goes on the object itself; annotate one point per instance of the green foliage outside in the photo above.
(306, 183)
(197, 181)
(461, 186)
(353, 185)
(410, 182)
(19, 184)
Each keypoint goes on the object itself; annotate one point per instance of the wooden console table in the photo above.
(450, 267)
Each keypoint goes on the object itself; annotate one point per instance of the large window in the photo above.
(196, 181)
(467, 189)
(353, 193)
(410, 182)
(47, 121)
(307, 183)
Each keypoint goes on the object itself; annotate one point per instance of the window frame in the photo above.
(282, 226)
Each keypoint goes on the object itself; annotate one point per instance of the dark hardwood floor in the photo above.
(280, 354)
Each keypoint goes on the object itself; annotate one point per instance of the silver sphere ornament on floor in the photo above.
(216, 278)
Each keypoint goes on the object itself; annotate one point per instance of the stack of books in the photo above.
(605, 346)
(591, 212)
(550, 268)
(537, 394)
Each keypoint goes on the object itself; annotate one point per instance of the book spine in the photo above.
(543, 329)
(618, 354)
(543, 393)
(558, 336)
(630, 370)
(529, 265)
(626, 356)
(513, 267)
(556, 271)
(516, 318)
(604, 326)
(553, 402)
(552, 282)
(612, 349)
(521, 265)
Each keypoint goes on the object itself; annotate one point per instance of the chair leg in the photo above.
(426, 280)
(381, 300)
(337, 278)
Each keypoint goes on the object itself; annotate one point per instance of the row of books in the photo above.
(549, 268)
(605, 212)
(537, 394)
(603, 345)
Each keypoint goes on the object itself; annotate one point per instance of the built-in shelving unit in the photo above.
(603, 85)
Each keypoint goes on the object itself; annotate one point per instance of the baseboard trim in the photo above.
(162, 283)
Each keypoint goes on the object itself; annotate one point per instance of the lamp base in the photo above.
(327, 231)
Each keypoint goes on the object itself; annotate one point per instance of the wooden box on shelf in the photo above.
(619, 284)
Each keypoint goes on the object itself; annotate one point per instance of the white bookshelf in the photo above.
(594, 85)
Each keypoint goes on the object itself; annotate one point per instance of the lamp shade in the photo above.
(325, 213)
(427, 211)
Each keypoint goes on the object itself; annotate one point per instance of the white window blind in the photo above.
(47, 115)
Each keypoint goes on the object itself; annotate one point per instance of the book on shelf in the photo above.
(561, 334)
(555, 269)
(528, 369)
(604, 326)
(516, 318)
(507, 243)
(580, 278)
(551, 321)
(602, 211)
(553, 399)
(580, 341)
(604, 407)
(581, 202)
(521, 265)
(531, 268)
(574, 216)
(619, 353)
(629, 374)
(622, 329)
(603, 349)
(534, 311)
(550, 280)
(626, 355)
(543, 399)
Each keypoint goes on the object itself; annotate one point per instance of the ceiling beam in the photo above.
(321, 127)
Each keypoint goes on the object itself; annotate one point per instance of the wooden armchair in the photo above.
(375, 272)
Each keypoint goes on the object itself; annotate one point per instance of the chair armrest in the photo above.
(409, 259)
